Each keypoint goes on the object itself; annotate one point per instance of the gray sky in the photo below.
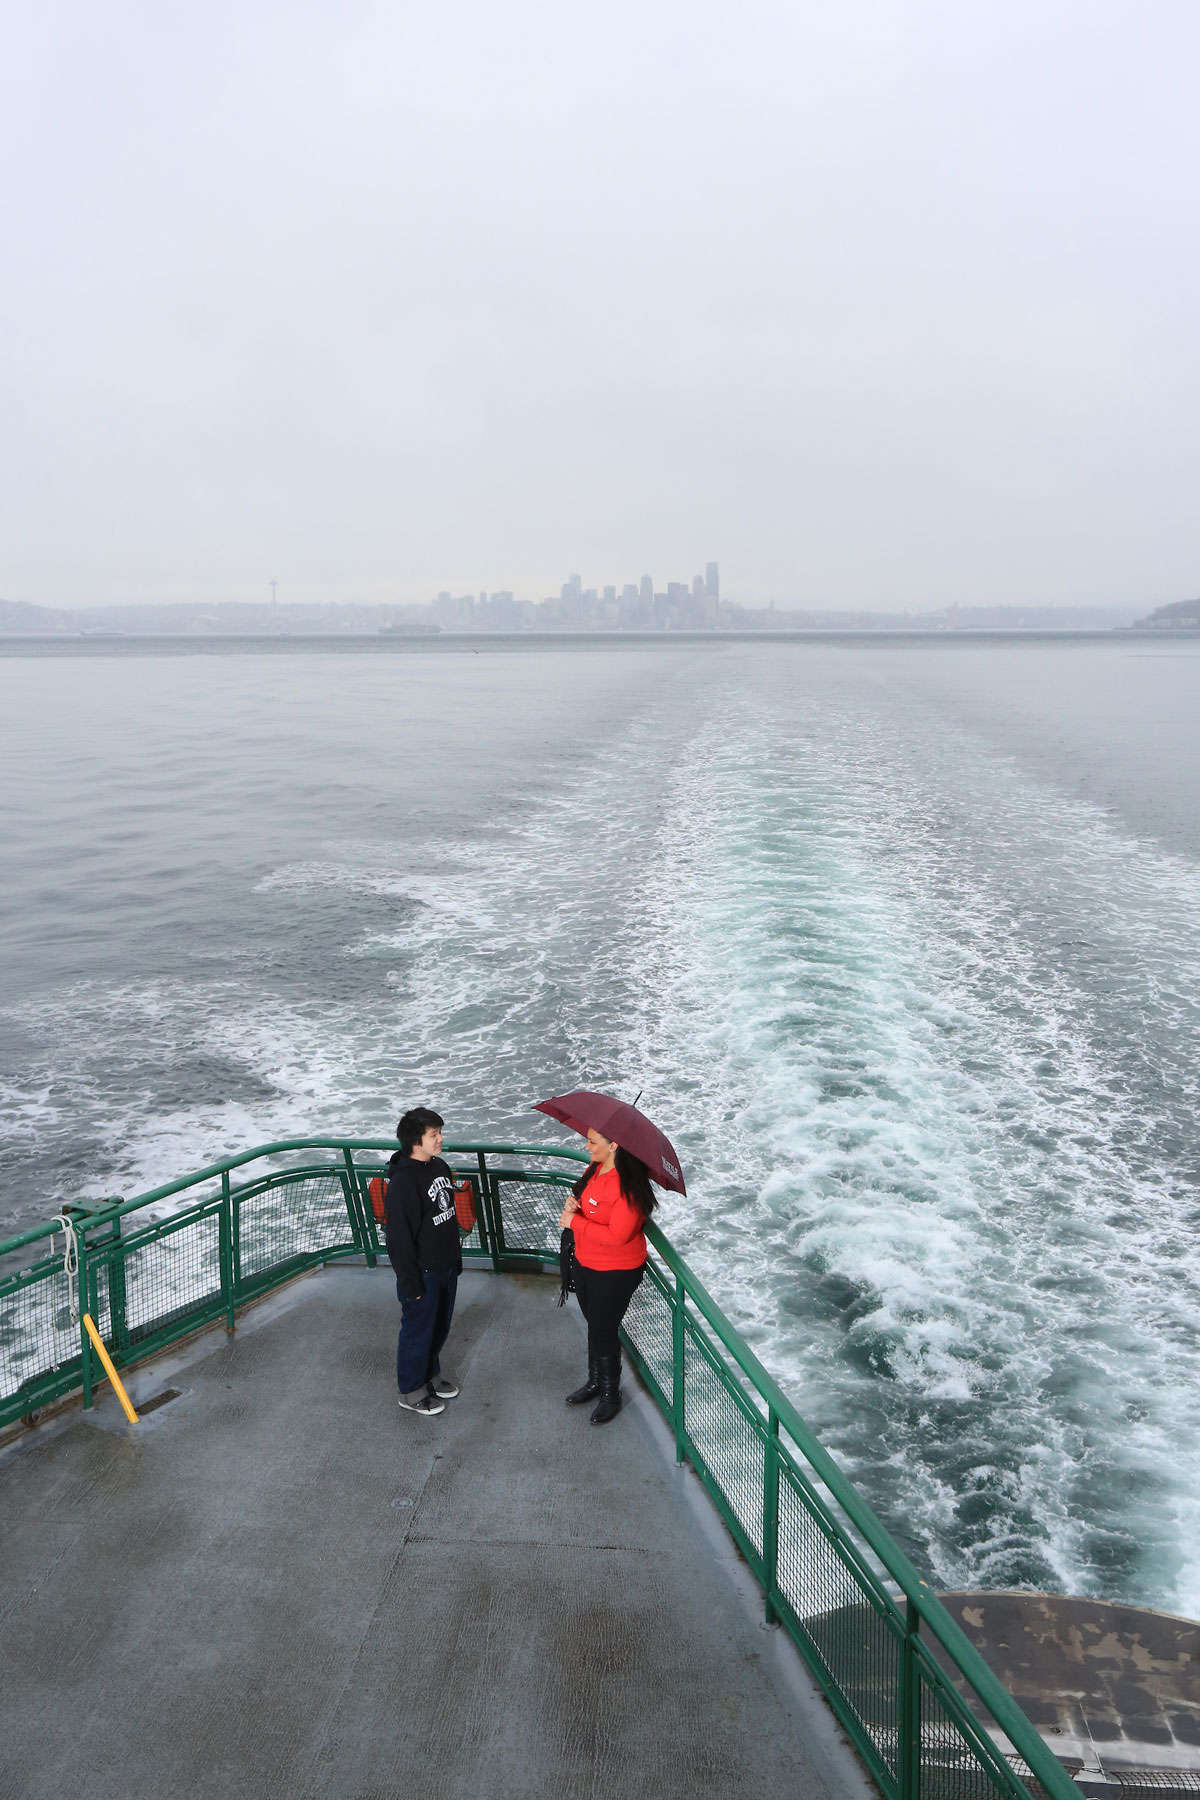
(879, 304)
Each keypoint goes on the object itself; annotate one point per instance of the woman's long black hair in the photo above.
(634, 1177)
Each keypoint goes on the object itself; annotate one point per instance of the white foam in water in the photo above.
(910, 1103)
(296, 1064)
(922, 1029)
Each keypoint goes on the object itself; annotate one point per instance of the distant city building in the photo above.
(636, 606)
(445, 610)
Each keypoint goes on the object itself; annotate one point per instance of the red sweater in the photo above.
(608, 1231)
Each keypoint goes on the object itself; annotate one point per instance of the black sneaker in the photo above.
(441, 1388)
(428, 1404)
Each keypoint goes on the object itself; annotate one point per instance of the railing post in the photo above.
(360, 1230)
(84, 1298)
(483, 1216)
(678, 1415)
(235, 1242)
(770, 1520)
(225, 1251)
(909, 1770)
(489, 1201)
(118, 1325)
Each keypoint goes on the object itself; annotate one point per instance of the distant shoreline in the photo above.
(66, 644)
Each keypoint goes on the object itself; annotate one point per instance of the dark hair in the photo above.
(413, 1126)
(634, 1179)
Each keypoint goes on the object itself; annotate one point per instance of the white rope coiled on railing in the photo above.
(70, 1263)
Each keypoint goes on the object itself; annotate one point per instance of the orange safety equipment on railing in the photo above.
(464, 1205)
(464, 1201)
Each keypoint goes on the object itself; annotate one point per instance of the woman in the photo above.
(607, 1213)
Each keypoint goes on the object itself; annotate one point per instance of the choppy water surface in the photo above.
(903, 945)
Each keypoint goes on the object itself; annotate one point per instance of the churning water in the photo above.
(902, 943)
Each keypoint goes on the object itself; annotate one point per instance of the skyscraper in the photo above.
(712, 581)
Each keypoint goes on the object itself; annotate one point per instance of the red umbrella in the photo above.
(624, 1125)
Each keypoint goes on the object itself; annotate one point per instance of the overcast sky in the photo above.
(879, 304)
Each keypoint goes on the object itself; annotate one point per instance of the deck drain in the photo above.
(152, 1405)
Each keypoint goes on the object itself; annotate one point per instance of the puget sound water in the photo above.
(900, 940)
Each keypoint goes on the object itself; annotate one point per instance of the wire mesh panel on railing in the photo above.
(530, 1211)
(1151, 1784)
(365, 1174)
(302, 1215)
(37, 1333)
(954, 1764)
(845, 1635)
(648, 1326)
(726, 1433)
(1036, 1791)
(172, 1273)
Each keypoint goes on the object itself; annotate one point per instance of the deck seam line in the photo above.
(331, 1711)
(533, 1543)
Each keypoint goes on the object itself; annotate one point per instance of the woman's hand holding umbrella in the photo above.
(568, 1213)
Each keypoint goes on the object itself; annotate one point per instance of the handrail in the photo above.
(999, 1702)
(118, 1207)
(284, 1145)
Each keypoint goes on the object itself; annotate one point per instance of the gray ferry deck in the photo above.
(279, 1584)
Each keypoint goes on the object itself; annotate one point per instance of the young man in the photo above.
(421, 1231)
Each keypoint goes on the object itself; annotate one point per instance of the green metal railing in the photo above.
(926, 1714)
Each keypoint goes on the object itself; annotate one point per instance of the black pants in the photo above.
(604, 1296)
(424, 1328)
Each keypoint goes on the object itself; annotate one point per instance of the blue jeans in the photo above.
(424, 1327)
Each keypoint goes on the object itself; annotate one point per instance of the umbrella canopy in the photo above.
(624, 1125)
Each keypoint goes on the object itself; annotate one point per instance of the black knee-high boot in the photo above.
(609, 1368)
(590, 1388)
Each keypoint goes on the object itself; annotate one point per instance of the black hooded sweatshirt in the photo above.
(420, 1224)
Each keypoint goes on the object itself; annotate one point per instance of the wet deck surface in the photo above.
(279, 1584)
